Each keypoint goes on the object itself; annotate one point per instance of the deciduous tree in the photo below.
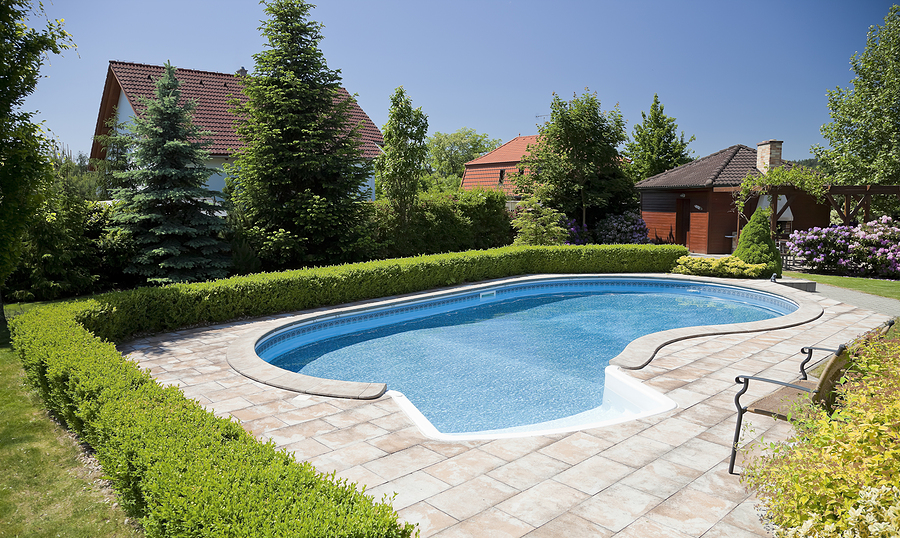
(401, 165)
(656, 145)
(169, 214)
(864, 133)
(24, 164)
(575, 166)
(449, 152)
(298, 185)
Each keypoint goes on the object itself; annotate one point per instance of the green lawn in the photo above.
(884, 288)
(45, 490)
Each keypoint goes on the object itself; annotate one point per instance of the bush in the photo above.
(183, 471)
(840, 473)
(536, 224)
(627, 228)
(442, 222)
(727, 267)
(756, 244)
(867, 250)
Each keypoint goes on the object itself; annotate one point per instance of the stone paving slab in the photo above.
(664, 475)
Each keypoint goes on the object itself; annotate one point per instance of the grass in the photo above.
(872, 286)
(46, 489)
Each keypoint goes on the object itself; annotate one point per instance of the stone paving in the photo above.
(663, 476)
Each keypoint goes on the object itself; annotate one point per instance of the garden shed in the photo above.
(127, 84)
(693, 204)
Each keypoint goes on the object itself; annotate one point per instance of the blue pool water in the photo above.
(506, 362)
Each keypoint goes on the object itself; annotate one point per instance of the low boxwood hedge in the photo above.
(185, 472)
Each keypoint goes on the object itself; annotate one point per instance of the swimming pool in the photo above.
(432, 349)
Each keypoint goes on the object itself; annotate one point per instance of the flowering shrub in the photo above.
(838, 475)
(578, 234)
(870, 249)
(627, 228)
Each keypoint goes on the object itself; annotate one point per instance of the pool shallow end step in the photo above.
(797, 283)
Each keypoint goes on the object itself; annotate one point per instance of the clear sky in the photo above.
(730, 72)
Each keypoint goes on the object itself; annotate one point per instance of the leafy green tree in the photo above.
(169, 214)
(24, 165)
(575, 166)
(656, 145)
(401, 165)
(298, 184)
(536, 224)
(448, 154)
(864, 133)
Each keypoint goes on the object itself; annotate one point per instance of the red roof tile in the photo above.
(212, 93)
(485, 171)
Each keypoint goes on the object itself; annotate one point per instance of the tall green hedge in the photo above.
(183, 471)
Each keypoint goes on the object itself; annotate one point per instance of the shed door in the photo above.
(683, 222)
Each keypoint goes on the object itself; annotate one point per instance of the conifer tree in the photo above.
(656, 147)
(756, 244)
(168, 213)
(297, 186)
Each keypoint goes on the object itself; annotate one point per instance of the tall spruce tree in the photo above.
(168, 213)
(297, 186)
(657, 146)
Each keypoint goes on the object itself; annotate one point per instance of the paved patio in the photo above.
(664, 476)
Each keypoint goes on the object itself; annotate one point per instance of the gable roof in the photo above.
(212, 93)
(725, 168)
(485, 171)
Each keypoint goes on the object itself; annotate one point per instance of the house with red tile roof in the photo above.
(127, 83)
(491, 171)
(693, 204)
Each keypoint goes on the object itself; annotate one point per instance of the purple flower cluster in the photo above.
(623, 229)
(871, 249)
(578, 234)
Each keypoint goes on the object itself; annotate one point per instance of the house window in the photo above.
(502, 176)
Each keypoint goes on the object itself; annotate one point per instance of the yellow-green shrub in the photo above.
(727, 267)
(820, 474)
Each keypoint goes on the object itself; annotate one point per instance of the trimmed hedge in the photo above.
(184, 472)
(727, 267)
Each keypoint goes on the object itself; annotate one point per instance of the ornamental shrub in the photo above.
(756, 244)
(626, 228)
(838, 475)
(727, 267)
(867, 250)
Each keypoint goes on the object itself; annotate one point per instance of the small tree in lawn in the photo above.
(575, 166)
(400, 167)
(756, 244)
(169, 215)
(298, 184)
(657, 146)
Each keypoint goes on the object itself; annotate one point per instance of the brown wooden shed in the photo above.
(693, 205)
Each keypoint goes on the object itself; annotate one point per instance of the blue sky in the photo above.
(730, 72)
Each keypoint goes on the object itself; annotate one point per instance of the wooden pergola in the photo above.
(856, 198)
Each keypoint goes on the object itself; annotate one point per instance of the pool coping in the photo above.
(241, 354)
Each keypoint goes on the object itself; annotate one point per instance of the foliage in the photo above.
(176, 467)
(537, 224)
(574, 167)
(442, 222)
(656, 147)
(448, 154)
(24, 167)
(727, 267)
(804, 179)
(168, 214)
(871, 249)
(756, 244)
(864, 133)
(400, 166)
(298, 184)
(627, 228)
(838, 474)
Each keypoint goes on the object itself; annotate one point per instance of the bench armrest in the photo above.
(745, 380)
(809, 353)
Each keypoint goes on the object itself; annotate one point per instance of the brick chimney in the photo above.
(768, 155)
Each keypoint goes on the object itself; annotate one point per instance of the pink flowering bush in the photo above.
(871, 249)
